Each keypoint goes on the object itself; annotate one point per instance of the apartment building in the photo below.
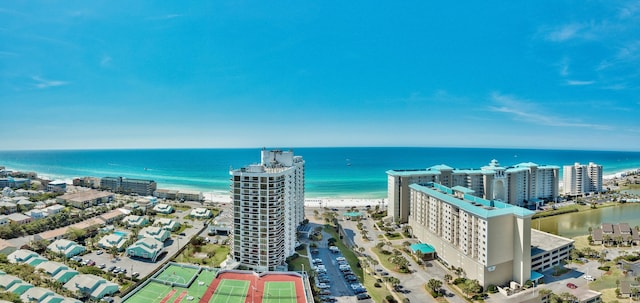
(129, 186)
(526, 184)
(489, 240)
(579, 179)
(268, 206)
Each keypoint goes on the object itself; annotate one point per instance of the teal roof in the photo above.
(423, 248)
(353, 214)
(472, 204)
(463, 189)
(535, 275)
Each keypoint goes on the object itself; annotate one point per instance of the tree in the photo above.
(447, 278)
(434, 285)
(471, 286)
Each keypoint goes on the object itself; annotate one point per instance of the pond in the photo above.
(577, 224)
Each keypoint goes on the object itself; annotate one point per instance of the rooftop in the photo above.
(475, 205)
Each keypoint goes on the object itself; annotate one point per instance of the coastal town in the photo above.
(442, 235)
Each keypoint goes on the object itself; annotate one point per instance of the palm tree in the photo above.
(447, 278)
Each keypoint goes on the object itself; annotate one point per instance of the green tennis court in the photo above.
(177, 274)
(231, 291)
(279, 292)
(152, 292)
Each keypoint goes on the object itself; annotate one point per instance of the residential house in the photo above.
(114, 215)
(58, 271)
(36, 294)
(18, 218)
(166, 223)
(148, 248)
(57, 186)
(190, 195)
(133, 220)
(54, 209)
(6, 247)
(7, 207)
(4, 220)
(163, 208)
(25, 256)
(66, 247)
(36, 214)
(116, 240)
(154, 232)
(13, 284)
(201, 213)
(615, 234)
(91, 286)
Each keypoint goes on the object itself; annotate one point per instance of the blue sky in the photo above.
(147, 74)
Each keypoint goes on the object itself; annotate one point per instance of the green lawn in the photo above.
(298, 262)
(210, 255)
(607, 280)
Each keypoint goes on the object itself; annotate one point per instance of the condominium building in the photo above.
(268, 206)
(129, 186)
(579, 179)
(526, 184)
(489, 240)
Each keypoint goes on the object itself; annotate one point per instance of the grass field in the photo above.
(279, 292)
(231, 291)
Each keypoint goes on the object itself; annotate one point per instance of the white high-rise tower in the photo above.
(268, 207)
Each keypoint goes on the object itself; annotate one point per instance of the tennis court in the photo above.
(152, 292)
(177, 274)
(279, 292)
(231, 291)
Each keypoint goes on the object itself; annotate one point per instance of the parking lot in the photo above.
(334, 275)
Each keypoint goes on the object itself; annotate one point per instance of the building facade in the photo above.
(268, 206)
(489, 240)
(129, 186)
(526, 184)
(579, 179)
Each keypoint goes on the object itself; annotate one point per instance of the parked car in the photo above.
(99, 252)
(323, 286)
(589, 278)
(111, 268)
(572, 286)
(102, 266)
(363, 296)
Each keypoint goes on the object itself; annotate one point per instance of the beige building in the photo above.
(489, 240)
(85, 199)
(526, 184)
(579, 179)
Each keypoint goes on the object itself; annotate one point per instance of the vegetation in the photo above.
(434, 286)
(205, 254)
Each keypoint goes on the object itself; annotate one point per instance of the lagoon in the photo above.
(577, 224)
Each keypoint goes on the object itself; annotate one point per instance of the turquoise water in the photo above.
(120, 233)
(329, 172)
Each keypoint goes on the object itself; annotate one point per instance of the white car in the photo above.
(323, 286)
(589, 278)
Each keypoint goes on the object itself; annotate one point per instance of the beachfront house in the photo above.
(36, 294)
(162, 208)
(201, 213)
(167, 224)
(133, 220)
(7, 247)
(91, 286)
(147, 248)
(155, 233)
(66, 247)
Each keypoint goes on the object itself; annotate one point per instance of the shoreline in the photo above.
(313, 202)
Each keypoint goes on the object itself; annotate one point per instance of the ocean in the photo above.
(348, 172)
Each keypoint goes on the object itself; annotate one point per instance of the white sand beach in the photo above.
(311, 202)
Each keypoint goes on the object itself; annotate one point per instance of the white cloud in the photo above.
(579, 82)
(564, 33)
(105, 61)
(42, 83)
(527, 111)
